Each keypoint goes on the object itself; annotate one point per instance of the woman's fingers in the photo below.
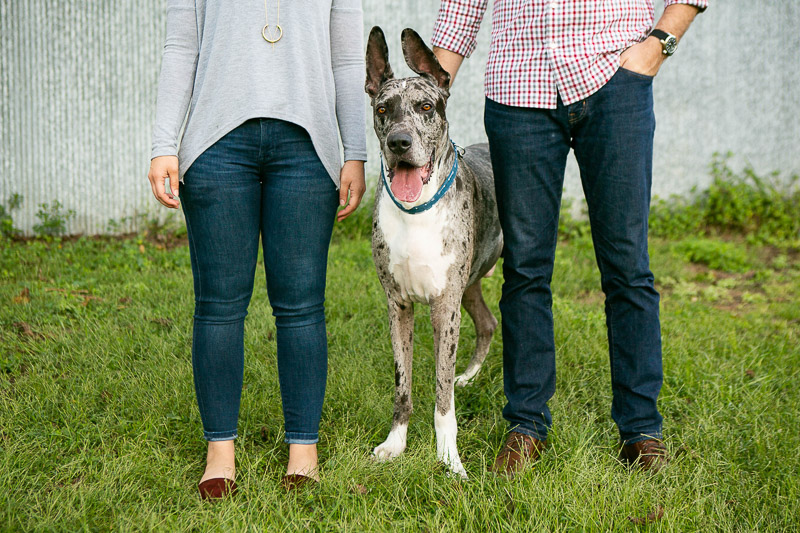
(344, 190)
(161, 169)
(352, 183)
(355, 199)
(174, 182)
(158, 187)
(350, 206)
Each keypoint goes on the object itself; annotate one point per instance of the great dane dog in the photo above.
(435, 231)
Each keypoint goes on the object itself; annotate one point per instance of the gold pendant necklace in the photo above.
(268, 34)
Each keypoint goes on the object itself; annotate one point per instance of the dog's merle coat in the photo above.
(436, 257)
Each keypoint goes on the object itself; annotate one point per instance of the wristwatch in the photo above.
(669, 43)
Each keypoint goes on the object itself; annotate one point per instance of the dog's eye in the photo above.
(427, 107)
(381, 110)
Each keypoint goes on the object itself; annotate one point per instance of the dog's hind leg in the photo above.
(401, 325)
(446, 319)
(485, 324)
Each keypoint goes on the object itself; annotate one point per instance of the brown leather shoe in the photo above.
(292, 482)
(520, 449)
(649, 455)
(216, 488)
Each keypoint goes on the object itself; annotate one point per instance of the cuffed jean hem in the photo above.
(535, 433)
(214, 436)
(301, 438)
(638, 437)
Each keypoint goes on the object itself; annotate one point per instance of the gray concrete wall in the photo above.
(78, 84)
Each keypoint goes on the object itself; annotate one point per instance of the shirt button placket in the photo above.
(551, 28)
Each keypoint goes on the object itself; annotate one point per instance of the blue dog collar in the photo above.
(436, 197)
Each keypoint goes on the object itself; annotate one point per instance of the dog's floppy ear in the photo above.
(421, 59)
(378, 69)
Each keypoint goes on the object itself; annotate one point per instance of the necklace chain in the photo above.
(268, 34)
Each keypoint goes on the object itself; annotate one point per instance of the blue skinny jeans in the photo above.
(611, 132)
(263, 179)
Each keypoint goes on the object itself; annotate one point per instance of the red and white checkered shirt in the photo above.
(543, 48)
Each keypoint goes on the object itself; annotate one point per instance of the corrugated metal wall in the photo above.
(78, 80)
(78, 83)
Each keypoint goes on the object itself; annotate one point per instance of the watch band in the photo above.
(669, 43)
(660, 34)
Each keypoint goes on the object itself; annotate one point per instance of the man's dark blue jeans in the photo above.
(262, 179)
(611, 133)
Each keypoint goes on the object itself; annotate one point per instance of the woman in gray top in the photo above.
(265, 91)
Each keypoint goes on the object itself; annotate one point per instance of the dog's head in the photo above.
(409, 115)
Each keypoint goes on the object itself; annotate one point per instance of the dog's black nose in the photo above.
(399, 142)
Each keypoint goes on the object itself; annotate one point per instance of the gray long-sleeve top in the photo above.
(217, 66)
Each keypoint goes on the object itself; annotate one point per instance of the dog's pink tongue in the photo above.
(407, 184)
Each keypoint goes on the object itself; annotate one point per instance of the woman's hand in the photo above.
(351, 180)
(161, 168)
(644, 58)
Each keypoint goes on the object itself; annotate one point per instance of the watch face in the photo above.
(670, 45)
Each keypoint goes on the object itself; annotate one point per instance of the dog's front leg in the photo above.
(446, 319)
(401, 326)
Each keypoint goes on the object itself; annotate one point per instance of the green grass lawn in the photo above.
(99, 429)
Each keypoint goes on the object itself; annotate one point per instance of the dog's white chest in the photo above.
(417, 261)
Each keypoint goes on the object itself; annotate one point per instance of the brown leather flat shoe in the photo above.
(217, 488)
(520, 449)
(295, 481)
(649, 455)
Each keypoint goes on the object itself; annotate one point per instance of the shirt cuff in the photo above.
(158, 151)
(444, 37)
(701, 5)
(355, 155)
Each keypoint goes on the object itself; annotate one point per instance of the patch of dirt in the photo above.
(77, 293)
(162, 240)
(768, 253)
(77, 480)
(652, 516)
(732, 295)
(24, 297)
(166, 322)
(359, 489)
(591, 297)
(24, 329)
(166, 240)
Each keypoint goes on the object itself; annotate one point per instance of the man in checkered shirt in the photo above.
(561, 75)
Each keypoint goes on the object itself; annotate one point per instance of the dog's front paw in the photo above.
(392, 447)
(457, 470)
(387, 451)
